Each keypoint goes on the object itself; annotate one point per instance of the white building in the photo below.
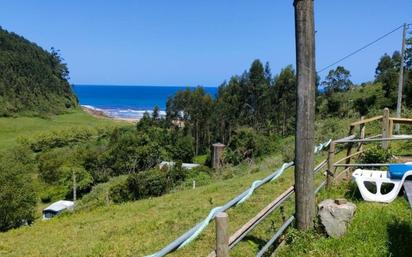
(57, 208)
(188, 166)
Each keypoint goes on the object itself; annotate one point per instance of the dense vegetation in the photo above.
(32, 81)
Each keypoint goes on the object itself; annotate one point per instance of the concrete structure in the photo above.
(218, 149)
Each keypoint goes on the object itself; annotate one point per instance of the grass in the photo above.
(376, 230)
(13, 128)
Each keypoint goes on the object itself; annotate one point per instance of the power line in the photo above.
(360, 49)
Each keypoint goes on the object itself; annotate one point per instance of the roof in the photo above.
(60, 206)
(188, 166)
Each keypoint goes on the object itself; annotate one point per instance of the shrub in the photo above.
(119, 192)
(49, 164)
(246, 144)
(84, 181)
(183, 149)
(375, 154)
(201, 175)
(287, 149)
(45, 198)
(94, 159)
(147, 183)
(132, 152)
(58, 138)
(175, 175)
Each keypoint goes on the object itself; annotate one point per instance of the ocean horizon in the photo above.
(128, 101)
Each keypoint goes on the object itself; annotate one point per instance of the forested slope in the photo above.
(33, 81)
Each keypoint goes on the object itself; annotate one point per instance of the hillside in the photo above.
(142, 227)
(33, 81)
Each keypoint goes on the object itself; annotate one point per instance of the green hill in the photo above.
(33, 81)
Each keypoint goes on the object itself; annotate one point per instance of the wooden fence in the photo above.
(356, 137)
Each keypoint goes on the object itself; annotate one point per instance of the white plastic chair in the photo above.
(379, 178)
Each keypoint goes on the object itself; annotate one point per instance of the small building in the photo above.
(57, 208)
(187, 166)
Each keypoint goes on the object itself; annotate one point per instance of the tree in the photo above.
(387, 73)
(255, 94)
(408, 72)
(408, 53)
(228, 106)
(285, 99)
(193, 108)
(17, 196)
(155, 113)
(337, 81)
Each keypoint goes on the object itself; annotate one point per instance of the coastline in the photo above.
(102, 115)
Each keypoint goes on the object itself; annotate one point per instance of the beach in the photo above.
(102, 115)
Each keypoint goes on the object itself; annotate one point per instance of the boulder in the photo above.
(335, 215)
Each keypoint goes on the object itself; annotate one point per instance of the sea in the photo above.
(128, 102)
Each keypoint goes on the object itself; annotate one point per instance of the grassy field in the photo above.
(13, 128)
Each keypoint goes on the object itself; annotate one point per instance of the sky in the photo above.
(189, 43)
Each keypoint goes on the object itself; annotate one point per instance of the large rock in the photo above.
(335, 215)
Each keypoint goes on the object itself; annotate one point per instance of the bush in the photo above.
(17, 195)
(175, 175)
(133, 151)
(150, 183)
(120, 192)
(49, 164)
(84, 181)
(246, 144)
(183, 149)
(59, 138)
(94, 159)
(375, 154)
(287, 149)
(201, 175)
(147, 183)
(45, 198)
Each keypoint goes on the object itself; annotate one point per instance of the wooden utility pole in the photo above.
(305, 113)
(400, 84)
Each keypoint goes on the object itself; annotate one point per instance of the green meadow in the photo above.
(11, 129)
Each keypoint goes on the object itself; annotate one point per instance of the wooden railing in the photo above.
(353, 138)
(356, 137)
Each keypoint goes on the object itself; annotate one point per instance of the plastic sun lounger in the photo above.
(395, 175)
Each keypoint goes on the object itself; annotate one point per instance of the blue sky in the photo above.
(192, 43)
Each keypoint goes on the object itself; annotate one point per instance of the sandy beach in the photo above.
(101, 115)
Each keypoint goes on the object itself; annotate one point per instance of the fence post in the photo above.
(222, 235)
(385, 128)
(329, 171)
(349, 151)
(361, 134)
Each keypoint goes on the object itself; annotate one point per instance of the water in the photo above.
(129, 102)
